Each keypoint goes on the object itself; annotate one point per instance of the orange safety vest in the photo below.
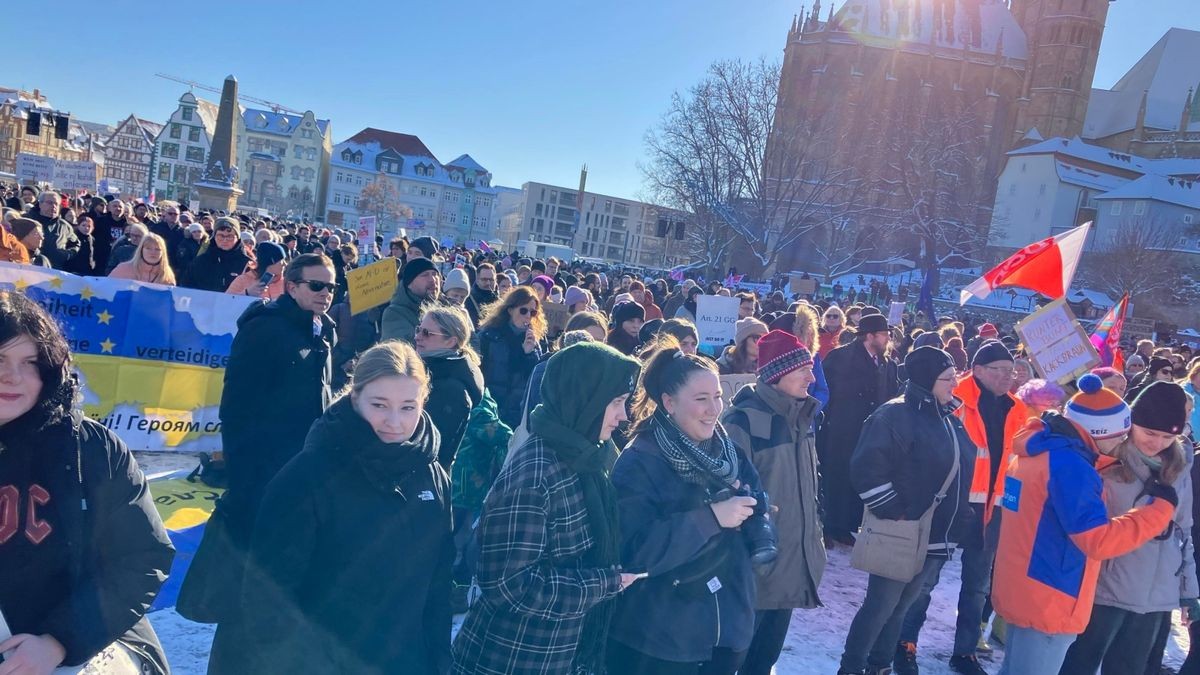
(981, 492)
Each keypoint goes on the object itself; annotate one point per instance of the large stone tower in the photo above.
(1064, 43)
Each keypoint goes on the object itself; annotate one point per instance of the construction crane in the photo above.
(275, 107)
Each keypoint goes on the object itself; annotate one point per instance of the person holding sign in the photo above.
(771, 420)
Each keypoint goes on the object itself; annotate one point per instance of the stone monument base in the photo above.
(216, 197)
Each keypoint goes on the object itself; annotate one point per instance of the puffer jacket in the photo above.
(455, 388)
(1056, 530)
(776, 432)
(901, 461)
(1156, 575)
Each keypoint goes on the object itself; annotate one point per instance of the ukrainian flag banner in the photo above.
(151, 358)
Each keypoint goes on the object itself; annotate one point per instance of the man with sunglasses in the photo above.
(420, 283)
(992, 417)
(277, 382)
(170, 229)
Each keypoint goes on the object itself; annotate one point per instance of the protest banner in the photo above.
(151, 359)
(74, 175)
(557, 316)
(801, 286)
(1058, 346)
(34, 168)
(366, 235)
(371, 285)
(730, 384)
(716, 320)
(896, 314)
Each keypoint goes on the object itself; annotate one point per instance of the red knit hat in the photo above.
(988, 330)
(779, 353)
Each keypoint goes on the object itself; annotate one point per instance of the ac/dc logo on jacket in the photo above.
(36, 529)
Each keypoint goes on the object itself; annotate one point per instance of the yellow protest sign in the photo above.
(371, 285)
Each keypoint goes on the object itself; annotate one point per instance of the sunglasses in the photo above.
(426, 333)
(318, 286)
(525, 311)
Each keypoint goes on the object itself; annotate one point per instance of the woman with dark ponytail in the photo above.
(676, 483)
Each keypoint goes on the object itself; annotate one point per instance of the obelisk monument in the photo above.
(218, 187)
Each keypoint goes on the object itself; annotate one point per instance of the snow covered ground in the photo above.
(814, 644)
(815, 639)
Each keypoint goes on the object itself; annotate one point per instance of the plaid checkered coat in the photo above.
(533, 534)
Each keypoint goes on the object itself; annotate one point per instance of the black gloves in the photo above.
(1157, 489)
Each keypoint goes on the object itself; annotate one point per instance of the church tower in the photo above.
(1064, 43)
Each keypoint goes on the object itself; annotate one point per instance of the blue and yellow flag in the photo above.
(151, 358)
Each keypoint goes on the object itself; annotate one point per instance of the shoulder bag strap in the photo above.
(953, 470)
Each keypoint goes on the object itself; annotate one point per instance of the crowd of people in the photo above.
(585, 492)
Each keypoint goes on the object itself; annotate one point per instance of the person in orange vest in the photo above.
(992, 417)
(1056, 529)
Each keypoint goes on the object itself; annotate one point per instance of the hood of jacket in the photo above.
(456, 367)
(1053, 432)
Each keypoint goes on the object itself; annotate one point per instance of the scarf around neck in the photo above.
(698, 463)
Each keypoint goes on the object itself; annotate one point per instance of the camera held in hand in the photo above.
(758, 529)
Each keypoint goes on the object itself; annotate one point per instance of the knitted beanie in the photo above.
(457, 278)
(414, 269)
(779, 353)
(925, 364)
(1098, 410)
(749, 327)
(23, 226)
(992, 351)
(576, 295)
(1162, 406)
(988, 330)
(544, 281)
(624, 311)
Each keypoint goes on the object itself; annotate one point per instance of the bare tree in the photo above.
(930, 188)
(1138, 258)
(381, 198)
(721, 154)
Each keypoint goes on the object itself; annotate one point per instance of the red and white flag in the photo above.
(1046, 266)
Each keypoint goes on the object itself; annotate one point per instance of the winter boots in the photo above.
(905, 661)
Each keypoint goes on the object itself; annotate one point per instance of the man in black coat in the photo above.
(60, 244)
(861, 378)
(276, 384)
(172, 232)
(221, 263)
(483, 292)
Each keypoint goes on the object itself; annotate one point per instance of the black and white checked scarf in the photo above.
(699, 464)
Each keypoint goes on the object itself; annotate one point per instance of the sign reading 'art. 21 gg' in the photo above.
(1058, 346)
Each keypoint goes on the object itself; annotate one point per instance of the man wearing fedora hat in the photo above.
(861, 378)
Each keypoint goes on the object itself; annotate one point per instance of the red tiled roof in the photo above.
(405, 144)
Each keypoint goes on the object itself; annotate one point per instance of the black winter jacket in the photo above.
(276, 384)
(215, 269)
(85, 575)
(901, 461)
(60, 243)
(506, 369)
(669, 530)
(455, 388)
(353, 555)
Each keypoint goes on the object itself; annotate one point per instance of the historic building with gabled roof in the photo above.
(129, 157)
(181, 148)
(283, 161)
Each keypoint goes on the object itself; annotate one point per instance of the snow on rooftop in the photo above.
(912, 24)
(1161, 189)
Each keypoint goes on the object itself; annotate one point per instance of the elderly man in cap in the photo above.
(419, 283)
(992, 417)
(861, 377)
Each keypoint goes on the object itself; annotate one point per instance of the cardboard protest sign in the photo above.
(1058, 346)
(556, 316)
(371, 285)
(801, 286)
(896, 314)
(716, 319)
(730, 384)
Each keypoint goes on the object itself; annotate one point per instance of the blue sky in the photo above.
(531, 89)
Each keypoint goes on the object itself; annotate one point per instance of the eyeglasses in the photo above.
(318, 286)
(1006, 370)
(525, 311)
(425, 333)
